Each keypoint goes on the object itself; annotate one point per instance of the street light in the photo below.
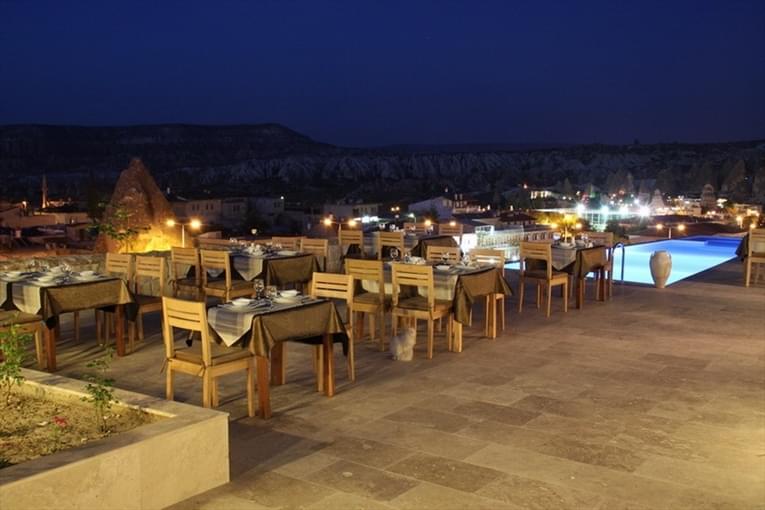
(194, 224)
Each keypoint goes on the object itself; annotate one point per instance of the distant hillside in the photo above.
(269, 158)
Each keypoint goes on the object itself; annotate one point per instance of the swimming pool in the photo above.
(690, 255)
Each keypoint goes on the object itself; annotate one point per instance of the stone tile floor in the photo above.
(655, 399)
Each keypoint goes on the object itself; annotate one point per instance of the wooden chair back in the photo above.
(348, 236)
(488, 256)
(120, 264)
(332, 286)
(756, 245)
(149, 267)
(437, 253)
(418, 228)
(536, 251)
(447, 229)
(215, 259)
(189, 316)
(367, 270)
(288, 243)
(415, 276)
(389, 239)
(319, 248)
(184, 257)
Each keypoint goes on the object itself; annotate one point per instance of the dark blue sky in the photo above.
(382, 72)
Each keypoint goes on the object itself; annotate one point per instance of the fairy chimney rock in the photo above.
(138, 203)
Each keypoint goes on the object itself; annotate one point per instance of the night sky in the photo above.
(363, 73)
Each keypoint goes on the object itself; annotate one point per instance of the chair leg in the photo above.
(99, 321)
(440, 325)
(251, 388)
(139, 321)
(450, 332)
(747, 271)
(372, 325)
(565, 296)
(431, 327)
(206, 388)
(382, 330)
(169, 390)
(214, 391)
(351, 359)
(131, 336)
(520, 297)
(549, 298)
(539, 295)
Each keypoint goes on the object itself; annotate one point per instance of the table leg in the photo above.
(329, 366)
(492, 316)
(264, 392)
(277, 364)
(119, 326)
(50, 346)
(579, 292)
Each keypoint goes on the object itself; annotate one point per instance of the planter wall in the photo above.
(152, 466)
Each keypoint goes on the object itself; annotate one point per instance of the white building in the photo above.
(443, 206)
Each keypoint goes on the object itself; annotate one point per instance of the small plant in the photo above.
(100, 387)
(13, 348)
(117, 226)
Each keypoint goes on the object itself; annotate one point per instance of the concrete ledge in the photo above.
(152, 466)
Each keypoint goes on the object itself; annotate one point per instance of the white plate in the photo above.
(282, 300)
(88, 278)
(289, 293)
(443, 267)
(242, 302)
(287, 252)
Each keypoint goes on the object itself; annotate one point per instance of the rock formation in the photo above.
(138, 204)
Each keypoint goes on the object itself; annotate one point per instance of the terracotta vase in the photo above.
(661, 267)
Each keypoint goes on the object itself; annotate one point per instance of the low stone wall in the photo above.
(152, 466)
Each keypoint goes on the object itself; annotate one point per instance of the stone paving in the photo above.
(655, 399)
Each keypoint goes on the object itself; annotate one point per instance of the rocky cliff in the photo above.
(269, 158)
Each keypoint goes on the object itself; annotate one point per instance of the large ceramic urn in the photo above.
(661, 266)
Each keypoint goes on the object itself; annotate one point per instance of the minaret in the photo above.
(44, 202)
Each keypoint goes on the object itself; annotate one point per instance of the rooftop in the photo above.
(651, 400)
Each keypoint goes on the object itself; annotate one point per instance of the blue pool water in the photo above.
(690, 255)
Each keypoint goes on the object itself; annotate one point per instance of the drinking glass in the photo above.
(444, 258)
(259, 286)
(272, 291)
(394, 253)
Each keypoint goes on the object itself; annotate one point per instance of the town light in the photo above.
(553, 226)
(659, 226)
(578, 226)
(327, 222)
(452, 223)
(428, 223)
(351, 222)
(681, 227)
(170, 223)
(195, 224)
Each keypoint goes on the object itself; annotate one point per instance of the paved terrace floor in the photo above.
(655, 399)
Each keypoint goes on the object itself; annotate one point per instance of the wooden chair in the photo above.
(207, 361)
(418, 307)
(349, 237)
(334, 286)
(26, 324)
(389, 240)
(496, 257)
(456, 230)
(373, 304)
(226, 288)
(319, 248)
(437, 253)
(419, 229)
(605, 239)
(181, 259)
(755, 254)
(121, 265)
(543, 277)
(287, 243)
(154, 269)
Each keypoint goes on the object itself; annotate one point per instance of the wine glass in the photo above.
(271, 292)
(394, 253)
(445, 258)
(259, 286)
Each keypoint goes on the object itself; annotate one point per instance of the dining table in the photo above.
(416, 244)
(579, 261)
(462, 285)
(66, 293)
(264, 326)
